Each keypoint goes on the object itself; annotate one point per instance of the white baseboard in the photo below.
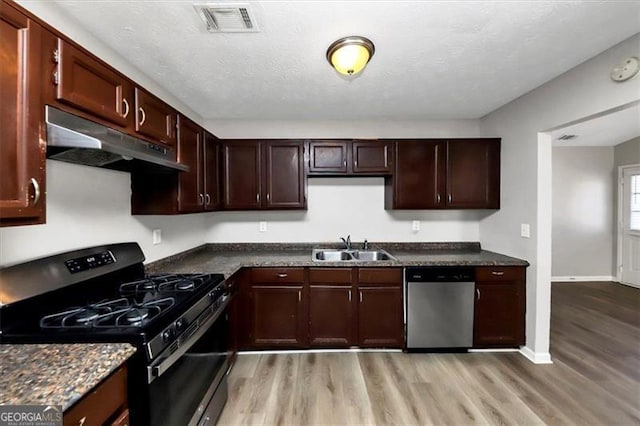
(584, 278)
(630, 284)
(536, 357)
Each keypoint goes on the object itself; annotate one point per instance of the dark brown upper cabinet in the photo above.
(22, 148)
(347, 157)
(85, 83)
(445, 174)
(328, 156)
(263, 175)
(372, 157)
(194, 191)
(154, 118)
(473, 174)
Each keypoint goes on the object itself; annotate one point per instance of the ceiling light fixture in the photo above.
(349, 55)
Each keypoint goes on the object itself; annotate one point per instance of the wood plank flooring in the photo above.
(595, 378)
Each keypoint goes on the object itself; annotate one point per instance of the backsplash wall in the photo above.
(341, 206)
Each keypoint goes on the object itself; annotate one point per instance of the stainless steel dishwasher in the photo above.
(439, 308)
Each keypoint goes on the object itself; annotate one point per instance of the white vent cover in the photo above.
(567, 137)
(227, 17)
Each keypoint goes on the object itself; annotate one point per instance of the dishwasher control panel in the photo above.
(439, 274)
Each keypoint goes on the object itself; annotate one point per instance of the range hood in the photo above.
(76, 140)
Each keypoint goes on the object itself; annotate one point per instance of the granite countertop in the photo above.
(229, 258)
(56, 374)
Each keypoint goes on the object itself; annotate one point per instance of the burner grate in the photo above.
(83, 317)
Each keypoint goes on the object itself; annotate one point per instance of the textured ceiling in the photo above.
(434, 59)
(607, 130)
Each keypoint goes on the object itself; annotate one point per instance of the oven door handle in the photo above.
(164, 363)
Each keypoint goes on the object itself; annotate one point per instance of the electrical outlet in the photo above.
(525, 230)
(415, 225)
(263, 227)
(157, 236)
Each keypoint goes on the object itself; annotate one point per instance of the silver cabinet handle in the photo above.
(282, 275)
(360, 297)
(126, 108)
(349, 295)
(268, 197)
(82, 420)
(258, 198)
(477, 294)
(201, 198)
(36, 191)
(386, 155)
(449, 198)
(355, 162)
(144, 116)
(207, 199)
(498, 273)
(437, 198)
(344, 163)
(299, 295)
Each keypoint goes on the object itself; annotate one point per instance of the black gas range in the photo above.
(177, 322)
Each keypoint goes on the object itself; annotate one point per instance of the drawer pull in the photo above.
(360, 297)
(497, 273)
(82, 420)
(299, 296)
(349, 295)
(282, 275)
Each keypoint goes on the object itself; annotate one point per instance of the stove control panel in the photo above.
(89, 262)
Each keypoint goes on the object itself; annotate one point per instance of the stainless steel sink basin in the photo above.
(333, 255)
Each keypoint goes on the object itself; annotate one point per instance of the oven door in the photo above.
(183, 383)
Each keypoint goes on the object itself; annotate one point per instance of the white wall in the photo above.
(583, 200)
(341, 206)
(89, 206)
(526, 169)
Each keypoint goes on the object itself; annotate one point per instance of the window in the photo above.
(634, 217)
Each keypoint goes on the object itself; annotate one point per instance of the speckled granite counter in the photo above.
(229, 258)
(56, 374)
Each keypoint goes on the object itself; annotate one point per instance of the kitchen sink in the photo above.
(333, 255)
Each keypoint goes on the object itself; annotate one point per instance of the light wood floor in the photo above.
(595, 378)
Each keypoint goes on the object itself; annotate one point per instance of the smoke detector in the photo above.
(227, 17)
(625, 70)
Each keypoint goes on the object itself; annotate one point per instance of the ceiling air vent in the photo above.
(227, 17)
(567, 137)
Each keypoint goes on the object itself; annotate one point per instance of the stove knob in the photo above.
(168, 335)
(181, 324)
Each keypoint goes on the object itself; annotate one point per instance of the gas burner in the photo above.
(84, 316)
(179, 284)
(141, 286)
(135, 316)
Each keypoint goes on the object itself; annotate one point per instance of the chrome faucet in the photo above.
(347, 242)
(365, 245)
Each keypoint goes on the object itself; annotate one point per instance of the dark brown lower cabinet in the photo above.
(331, 321)
(380, 309)
(105, 405)
(499, 307)
(277, 316)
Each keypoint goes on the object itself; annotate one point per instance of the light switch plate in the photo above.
(157, 236)
(263, 226)
(525, 230)
(415, 226)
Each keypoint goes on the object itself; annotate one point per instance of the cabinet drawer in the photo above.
(380, 276)
(501, 273)
(330, 275)
(100, 404)
(277, 275)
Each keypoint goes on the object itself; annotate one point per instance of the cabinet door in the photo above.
(154, 118)
(211, 171)
(328, 157)
(380, 321)
(190, 193)
(372, 157)
(22, 151)
(331, 315)
(241, 175)
(91, 86)
(284, 175)
(418, 181)
(499, 314)
(277, 316)
(473, 173)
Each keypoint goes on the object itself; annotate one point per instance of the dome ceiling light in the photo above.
(349, 55)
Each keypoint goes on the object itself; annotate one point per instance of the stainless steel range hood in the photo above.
(76, 140)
